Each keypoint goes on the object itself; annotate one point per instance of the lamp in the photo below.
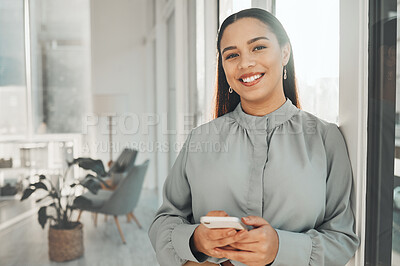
(109, 105)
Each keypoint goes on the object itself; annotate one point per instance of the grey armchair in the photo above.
(120, 168)
(121, 201)
(118, 171)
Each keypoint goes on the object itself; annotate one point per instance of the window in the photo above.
(59, 46)
(60, 51)
(13, 115)
(315, 51)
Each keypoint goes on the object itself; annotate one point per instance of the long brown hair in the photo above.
(226, 102)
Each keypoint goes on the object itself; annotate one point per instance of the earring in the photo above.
(284, 73)
(230, 90)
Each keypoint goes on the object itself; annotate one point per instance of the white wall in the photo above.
(118, 63)
(353, 104)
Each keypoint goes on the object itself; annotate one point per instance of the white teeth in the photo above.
(252, 78)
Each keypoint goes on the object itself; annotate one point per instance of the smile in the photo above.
(251, 80)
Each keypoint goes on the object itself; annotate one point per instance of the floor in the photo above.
(11, 208)
(25, 243)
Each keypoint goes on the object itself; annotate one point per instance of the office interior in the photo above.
(99, 79)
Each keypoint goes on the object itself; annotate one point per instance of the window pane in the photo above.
(60, 48)
(12, 69)
(315, 51)
(12, 43)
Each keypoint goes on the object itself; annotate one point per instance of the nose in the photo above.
(246, 61)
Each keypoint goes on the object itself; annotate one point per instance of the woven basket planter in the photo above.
(65, 244)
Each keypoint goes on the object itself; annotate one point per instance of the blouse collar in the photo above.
(267, 122)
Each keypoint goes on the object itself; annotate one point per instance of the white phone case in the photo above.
(222, 222)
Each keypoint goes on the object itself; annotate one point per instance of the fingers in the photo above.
(206, 240)
(217, 213)
(222, 242)
(258, 246)
(236, 245)
(216, 234)
(210, 246)
(255, 235)
(254, 221)
(229, 247)
(253, 246)
(244, 236)
(235, 255)
(250, 254)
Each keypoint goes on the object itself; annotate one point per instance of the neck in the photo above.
(264, 108)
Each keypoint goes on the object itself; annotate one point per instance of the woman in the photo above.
(284, 171)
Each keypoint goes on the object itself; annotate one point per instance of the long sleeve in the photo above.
(288, 167)
(171, 229)
(333, 242)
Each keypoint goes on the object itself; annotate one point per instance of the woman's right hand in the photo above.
(206, 239)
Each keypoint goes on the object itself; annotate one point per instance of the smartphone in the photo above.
(223, 222)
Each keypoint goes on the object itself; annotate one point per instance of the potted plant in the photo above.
(65, 235)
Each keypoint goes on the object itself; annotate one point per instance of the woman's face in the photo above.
(253, 61)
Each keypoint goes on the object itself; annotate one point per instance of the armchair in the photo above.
(120, 168)
(121, 201)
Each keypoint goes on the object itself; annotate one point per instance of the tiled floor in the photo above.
(26, 243)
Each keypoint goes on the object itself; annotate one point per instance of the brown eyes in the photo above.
(257, 48)
(230, 56)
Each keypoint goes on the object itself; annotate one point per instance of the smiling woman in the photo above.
(285, 172)
(259, 41)
(253, 66)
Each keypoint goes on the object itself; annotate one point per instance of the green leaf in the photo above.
(27, 193)
(41, 185)
(89, 176)
(91, 164)
(91, 184)
(42, 216)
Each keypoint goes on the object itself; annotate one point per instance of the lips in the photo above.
(250, 79)
(248, 75)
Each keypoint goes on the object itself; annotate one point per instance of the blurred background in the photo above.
(89, 78)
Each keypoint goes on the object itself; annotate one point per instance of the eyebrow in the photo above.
(248, 42)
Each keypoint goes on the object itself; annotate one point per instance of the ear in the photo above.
(285, 53)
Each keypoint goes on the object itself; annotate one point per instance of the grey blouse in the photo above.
(289, 167)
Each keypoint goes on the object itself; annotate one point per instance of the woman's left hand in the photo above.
(258, 246)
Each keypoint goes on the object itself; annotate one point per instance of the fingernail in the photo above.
(246, 219)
